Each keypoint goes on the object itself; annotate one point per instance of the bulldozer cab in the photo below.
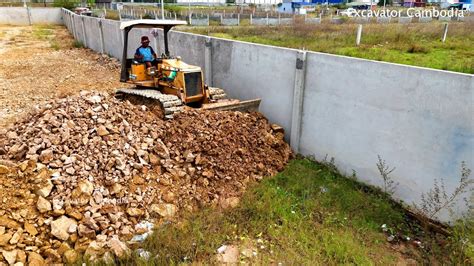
(173, 83)
(165, 25)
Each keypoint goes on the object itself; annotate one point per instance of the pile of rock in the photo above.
(89, 170)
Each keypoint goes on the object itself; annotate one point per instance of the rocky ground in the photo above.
(40, 63)
(86, 173)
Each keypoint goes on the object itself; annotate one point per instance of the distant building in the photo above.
(414, 3)
(258, 2)
(363, 2)
(330, 2)
(212, 2)
(302, 6)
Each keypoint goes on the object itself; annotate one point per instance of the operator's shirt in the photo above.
(147, 53)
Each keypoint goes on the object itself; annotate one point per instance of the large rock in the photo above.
(5, 238)
(82, 193)
(94, 250)
(45, 190)
(8, 223)
(119, 248)
(35, 259)
(52, 254)
(86, 187)
(165, 210)
(231, 202)
(4, 170)
(85, 231)
(46, 156)
(228, 255)
(43, 205)
(134, 212)
(21, 257)
(70, 256)
(60, 227)
(102, 131)
(16, 237)
(10, 256)
(30, 228)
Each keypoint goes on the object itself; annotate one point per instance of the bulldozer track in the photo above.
(170, 104)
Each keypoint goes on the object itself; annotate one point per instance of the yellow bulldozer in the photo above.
(171, 82)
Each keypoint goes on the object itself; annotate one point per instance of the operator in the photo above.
(145, 54)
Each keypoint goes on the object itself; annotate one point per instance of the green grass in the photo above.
(47, 33)
(412, 44)
(307, 214)
(43, 32)
(77, 44)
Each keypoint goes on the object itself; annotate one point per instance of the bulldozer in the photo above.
(172, 83)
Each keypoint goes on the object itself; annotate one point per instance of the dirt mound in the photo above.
(93, 172)
(39, 64)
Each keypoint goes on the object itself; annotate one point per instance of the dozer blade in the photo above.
(234, 105)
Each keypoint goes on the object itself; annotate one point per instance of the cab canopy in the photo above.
(151, 23)
(126, 26)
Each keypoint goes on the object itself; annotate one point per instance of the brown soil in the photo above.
(39, 64)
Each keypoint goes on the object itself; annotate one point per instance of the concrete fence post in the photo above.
(84, 31)
(207, 19)
(268, 22)
(101, 36)
(238, 19)
(208, 60)
(359, 34)
(445, 32)
(298, 93)
(74, 33)
(251, 19)
(68, 18)
(222, 20)
(121, 40)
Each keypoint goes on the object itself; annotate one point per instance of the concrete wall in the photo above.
(248, 73)
(418, 120)
(112, 38)
(27, 16)
(91, 27)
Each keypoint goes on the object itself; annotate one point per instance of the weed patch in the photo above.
(307, 213)
(77, 44)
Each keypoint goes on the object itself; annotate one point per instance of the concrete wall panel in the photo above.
(78, 29)
(190, 47)
(419, 120)
(40, 15)
(14, 16)
(248, 71)
(92, 33)
(45, 15)
(112, 39)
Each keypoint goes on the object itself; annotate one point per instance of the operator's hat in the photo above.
(145, 39)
